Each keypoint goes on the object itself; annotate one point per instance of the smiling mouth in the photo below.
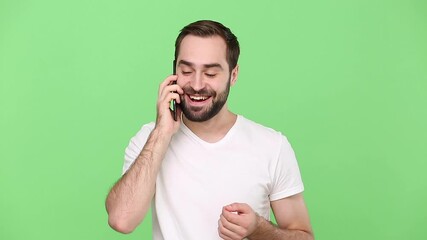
(198, 98)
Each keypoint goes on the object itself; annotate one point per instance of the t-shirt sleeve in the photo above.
(286, 177)
(135, 146)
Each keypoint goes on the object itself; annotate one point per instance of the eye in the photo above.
(210, 75)
(186, 73)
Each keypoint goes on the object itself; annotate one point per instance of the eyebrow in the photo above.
(210, 65)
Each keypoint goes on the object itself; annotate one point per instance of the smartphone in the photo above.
(173, 102)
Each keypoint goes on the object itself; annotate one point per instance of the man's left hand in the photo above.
(237, 221)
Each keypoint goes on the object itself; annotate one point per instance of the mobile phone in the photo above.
(173, 102)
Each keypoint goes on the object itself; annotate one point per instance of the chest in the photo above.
(209, 178)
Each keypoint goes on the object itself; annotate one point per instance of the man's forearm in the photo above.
(130, 198)
(266, 230)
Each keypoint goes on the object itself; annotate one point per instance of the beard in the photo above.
(201, 114)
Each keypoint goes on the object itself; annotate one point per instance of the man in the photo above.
(211, 174)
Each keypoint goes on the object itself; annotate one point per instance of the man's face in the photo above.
(203, 73)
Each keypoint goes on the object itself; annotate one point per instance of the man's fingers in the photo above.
(169, 93)
(234, 222)
(231, 216)
(240, 208)
(222, 231)
(170, 88)
(168, 81)
(164, 103)
(229, 229)
(174, 96)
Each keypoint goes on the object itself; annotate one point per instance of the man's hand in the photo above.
(168, 92)
(237, 221)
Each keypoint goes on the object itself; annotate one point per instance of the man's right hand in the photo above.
(168, 91)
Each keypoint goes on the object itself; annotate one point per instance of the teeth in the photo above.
(198, 98)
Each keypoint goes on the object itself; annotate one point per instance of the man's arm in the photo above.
(130, 198)
(292, 219)
(291, 216)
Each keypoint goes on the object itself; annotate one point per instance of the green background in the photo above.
(346, 81)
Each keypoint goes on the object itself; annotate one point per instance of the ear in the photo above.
(234, 75)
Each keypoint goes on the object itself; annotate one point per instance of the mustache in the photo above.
(204, 92)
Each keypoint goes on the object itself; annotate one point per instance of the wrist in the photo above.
(260, 227)
(259, 221)
(156, 145)
(162, 133)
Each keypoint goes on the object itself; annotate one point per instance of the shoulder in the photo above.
(258, 131)
(136, 144)
(266, 139)
(148, 127)
(141, 136)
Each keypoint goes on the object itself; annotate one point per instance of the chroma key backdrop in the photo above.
(345, 81)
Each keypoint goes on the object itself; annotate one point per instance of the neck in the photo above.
(215, 128)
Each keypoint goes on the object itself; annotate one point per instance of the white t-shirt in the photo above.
(252, 164)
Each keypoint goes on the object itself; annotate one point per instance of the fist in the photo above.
(237, 221)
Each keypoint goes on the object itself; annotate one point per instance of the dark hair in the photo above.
(208, 28)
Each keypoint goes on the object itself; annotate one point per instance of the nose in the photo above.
(197, 82)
